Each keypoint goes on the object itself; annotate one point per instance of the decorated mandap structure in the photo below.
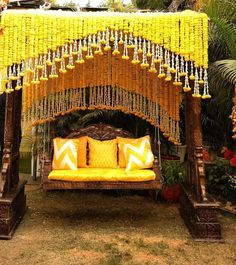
(55, 62)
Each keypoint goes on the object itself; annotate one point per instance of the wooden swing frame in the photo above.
(197, 208)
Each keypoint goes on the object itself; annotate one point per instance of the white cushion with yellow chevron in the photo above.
(122, 141)
(138, 155)
(65, 154)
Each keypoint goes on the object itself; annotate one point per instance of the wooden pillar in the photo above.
(2, 124)
(17, 137)
(12, 194)
(195, 164)
(197, 208)
(12, 138)
(5, 177)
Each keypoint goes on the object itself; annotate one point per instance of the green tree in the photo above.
(114, 5)
(222, 62)
(152, 4)
(172, 5)
(222, 71)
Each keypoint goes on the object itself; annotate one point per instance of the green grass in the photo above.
(92, 228)
(159, 248)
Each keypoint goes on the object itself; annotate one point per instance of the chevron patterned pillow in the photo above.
(122, 141)
(65, 154)
(138, 155)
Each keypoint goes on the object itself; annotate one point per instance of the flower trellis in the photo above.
(134, 62)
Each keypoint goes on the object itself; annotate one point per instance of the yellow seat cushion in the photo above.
(65, 154)
(122, 141)
(82, 151)
(138, 155)
(102, 154)
(102, 174)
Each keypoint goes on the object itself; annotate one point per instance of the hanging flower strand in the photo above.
(170, 46)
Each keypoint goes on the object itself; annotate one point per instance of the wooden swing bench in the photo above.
(99, 132)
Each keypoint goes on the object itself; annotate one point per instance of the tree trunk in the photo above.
(173, 7)
(196, 5)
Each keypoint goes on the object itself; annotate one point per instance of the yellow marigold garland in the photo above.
(39, 47)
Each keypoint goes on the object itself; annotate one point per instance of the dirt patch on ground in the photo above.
(74, 227)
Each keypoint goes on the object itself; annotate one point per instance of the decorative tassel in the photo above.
(140, 50)
(44, 70)
(35, 80)
(125, 55)
(70, 64)
(48, 61)
(66, 52)
(89, 50)
(177, 81)
(144, 63)
(121, 42)
(99, 47)
(153, 68)
(75, 51)
(116, 48)
(80, 59)
(172, 67)
(205, 87)
(84, 47)
(201, 81)
(186, 87)
(107, 46)
(135, 56)
(18, 84)
(53, 68)
(130, 44)
(196, 93)
(191, 77)
(63, 66)
(182, 72)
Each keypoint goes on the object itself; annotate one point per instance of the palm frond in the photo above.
(92, 117)
(222, 29)
(218, 85)
(227, 69)
(224, 9)
(218, 50)
(227, 32)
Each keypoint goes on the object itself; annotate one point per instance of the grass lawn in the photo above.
(81, 227)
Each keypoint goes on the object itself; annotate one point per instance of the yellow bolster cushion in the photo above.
(65, 154)
(102, 174)
(102, 154)
(121, 142)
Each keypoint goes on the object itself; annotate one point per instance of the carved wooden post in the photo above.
(2, 124)
(5, 177)
(197, 208)
(12, 195)
(196, 175)
(17, 137)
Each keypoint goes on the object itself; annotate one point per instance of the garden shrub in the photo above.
(219, 179)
